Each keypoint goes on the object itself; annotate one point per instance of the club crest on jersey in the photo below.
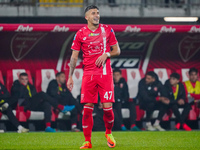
(93, 34)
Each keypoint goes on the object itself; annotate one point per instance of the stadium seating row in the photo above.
(132, 76)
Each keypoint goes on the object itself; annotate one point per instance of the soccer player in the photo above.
(96, 40)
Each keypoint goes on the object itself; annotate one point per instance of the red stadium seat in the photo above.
(184, 74)
(1, 78)
(163, 73)
(133, 76)
(77, 78)
(43, 77)
(2, 81)
(13, 75)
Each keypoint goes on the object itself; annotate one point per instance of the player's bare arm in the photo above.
(115, 52)
(73, 61)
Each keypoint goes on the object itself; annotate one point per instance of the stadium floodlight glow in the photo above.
(180, 19)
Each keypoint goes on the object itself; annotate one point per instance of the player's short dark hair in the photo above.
(152, 74)
(59, 73)
(117, 70)
(23, 74)
(91, 7)
(193, 70)
(175, 75)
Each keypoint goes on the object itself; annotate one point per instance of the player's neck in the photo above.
(93, 27)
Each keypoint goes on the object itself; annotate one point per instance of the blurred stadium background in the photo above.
(36, 36)
(109, 8)
(147, 41)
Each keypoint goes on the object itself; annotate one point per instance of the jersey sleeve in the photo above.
(112, 40)
(76, 45)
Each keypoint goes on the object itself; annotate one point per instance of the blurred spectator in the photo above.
(152, 95)
(175, 1)
(58, 90)
(112, 3)
(24, 94)
(5, 109)
(122, 100)
(176, 94)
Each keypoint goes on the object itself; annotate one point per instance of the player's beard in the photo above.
(95, 24)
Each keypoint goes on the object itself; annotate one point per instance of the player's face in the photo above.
(173, 81)
(62, 78)
(117, 76)
(92, 16)
(149, 79)
(23, 80)
(193, 76)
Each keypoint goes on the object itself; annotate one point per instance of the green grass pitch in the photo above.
(125, 140)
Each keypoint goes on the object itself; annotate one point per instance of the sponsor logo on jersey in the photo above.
(57, 28)
(1, 28)
(22, 28)
(94, 34)
(164, 29)
(155, 89)
(194, 30)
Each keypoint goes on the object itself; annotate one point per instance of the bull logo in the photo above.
(77, 74)
(133, 74)
(48, 74)
(160, 74)
(187, 74)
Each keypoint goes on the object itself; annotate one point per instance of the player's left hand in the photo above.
(181, 102)
(101, 60)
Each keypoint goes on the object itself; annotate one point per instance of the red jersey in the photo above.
(94, 44)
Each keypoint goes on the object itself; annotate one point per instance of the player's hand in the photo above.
(181, 102)
(70, 84)
(164, 100)
(101, 60)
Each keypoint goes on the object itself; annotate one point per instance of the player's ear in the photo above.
(86, 17)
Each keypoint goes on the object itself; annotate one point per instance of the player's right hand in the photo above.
(101, 60)
(70, 84)
(164, 100)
